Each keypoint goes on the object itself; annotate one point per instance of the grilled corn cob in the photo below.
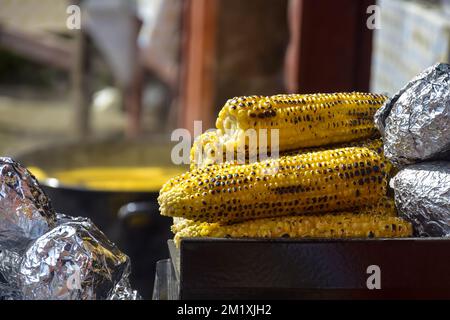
(384, 207)
(302, 120)
(208, 149)
(345, 225)
(321, 181)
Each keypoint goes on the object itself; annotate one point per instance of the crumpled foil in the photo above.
(415, 122)
(8, 292)
(123, 291)
(74, 261)
(422, 196)
(9, 267)
(25, 210)
(44, 255)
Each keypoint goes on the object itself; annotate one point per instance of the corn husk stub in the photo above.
(415, 122)
(422, 196)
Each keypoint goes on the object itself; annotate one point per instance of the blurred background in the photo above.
(108, 94)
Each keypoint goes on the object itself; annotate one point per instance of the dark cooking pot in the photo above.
(130, 219)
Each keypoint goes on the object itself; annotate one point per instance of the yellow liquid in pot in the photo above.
(111, 178)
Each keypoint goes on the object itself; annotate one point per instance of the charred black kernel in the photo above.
(360, 182)
(371, 234)
(376, 168)
(358, 193)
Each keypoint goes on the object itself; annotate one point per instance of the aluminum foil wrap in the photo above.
(415, 122)
(422, 196)
(9, 267)
(8, 292)
(74, 261)
(25, 210)
(123, 291)
(44, 255)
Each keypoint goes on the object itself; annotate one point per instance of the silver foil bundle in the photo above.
(422, 196)
(44, 255)
(25, 210)
(74, 261)
(415, 122)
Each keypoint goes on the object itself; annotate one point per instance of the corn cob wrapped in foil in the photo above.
(415, 122)
(25, 210)
(74, 261)
(45, 255)
(422, 196)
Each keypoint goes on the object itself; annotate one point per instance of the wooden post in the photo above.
(330, 46)
(198, 52)
(133, 93)
(80, 85)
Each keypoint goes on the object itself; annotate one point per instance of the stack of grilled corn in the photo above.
(335, 188)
